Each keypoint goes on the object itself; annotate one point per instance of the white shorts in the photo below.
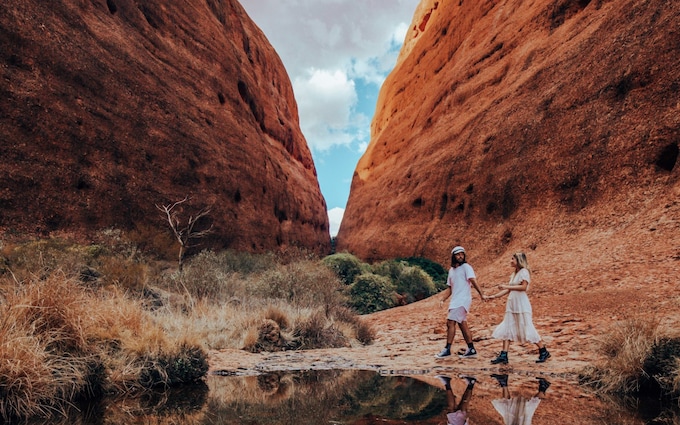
(456, 418)
(458, 314)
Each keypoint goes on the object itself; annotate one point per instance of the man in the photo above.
(458, 412)
(459, 282)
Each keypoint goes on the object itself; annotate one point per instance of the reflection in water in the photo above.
(518, 410)
(323, 397)
(458, 410)
(177, 405)
(357, 398)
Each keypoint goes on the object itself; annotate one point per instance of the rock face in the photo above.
(111, 107)
(517, 125)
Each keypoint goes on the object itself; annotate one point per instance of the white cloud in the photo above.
(332, 49)
(334, 219)
(355, 39)
(325, 101)
(326, 33)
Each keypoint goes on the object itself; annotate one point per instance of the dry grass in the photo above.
(676, 378)
(111, 322)
(625, 347)
(233, 293)
(62, 342)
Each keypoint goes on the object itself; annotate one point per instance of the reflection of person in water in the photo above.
(457, 411)
(518, 410)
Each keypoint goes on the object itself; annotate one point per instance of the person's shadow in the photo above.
(518, 410)
(458, 409)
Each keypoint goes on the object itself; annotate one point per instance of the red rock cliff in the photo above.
(522, 125)
(110, 107)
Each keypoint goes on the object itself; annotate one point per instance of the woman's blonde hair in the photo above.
(522, 261)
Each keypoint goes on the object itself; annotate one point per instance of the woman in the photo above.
(517, 324)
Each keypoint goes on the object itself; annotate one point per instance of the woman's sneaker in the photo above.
(444, 353)
(470, 353)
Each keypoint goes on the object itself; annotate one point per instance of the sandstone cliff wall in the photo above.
(537, 125)
(110, 107)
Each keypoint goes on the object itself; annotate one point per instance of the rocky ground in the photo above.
(583, 285)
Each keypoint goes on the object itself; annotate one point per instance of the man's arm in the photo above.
(447, 294)
(473, 281)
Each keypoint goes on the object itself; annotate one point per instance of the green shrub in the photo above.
(435, 270)
(371, 292)
(389, 268)
(414, 284)
(411, 282)
(346, 266)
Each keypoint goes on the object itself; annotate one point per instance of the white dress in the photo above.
(517, 324)
(517, 410)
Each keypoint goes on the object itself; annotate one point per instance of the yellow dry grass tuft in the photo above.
(625, 348)
(81, 320)
(62, 341)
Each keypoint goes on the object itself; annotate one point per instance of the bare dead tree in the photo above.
(184, 232)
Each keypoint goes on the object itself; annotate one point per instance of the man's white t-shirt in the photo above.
(459, 281)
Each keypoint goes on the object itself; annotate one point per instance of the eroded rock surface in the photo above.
(111, 107)
(510, 125)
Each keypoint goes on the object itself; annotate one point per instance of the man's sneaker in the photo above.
(543, 356)
(470, 380)
(470, 353)
(445, 380)
(444, 353)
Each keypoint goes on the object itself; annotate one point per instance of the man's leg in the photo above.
(450, 335)
(450, 332)
(467, 395)
(465, 330)
(467, 335)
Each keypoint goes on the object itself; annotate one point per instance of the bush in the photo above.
(317, 332)
(411, 282)
(414, 284)
(371, 292)
(304, 283)
(203, 276)
(346, 266)
(434, 269)
(389, 268)
(245, 263)
(189, 364)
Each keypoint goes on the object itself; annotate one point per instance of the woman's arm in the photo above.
(521, 287)
(499, 294)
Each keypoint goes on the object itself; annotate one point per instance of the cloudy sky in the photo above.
(337, 54)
